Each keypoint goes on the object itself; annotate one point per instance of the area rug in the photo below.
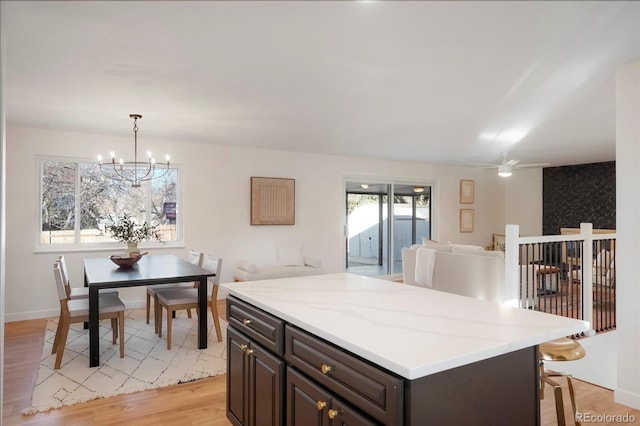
(147, 363)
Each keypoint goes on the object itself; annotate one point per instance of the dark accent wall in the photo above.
(572, 195)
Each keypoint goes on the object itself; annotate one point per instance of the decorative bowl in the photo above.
(126, 262)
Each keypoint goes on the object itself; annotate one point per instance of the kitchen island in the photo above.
(348, 349)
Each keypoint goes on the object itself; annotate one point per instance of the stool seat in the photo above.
(563, 349)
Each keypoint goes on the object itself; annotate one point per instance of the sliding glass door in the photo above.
(373, 241)
(411, 219)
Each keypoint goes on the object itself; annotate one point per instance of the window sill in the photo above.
(111, 248)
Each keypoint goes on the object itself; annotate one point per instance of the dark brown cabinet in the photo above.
(255, 383)
(310, 405)
(318, 384)
(369, 388)
(280, 374)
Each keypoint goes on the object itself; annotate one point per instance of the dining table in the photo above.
(101, 273)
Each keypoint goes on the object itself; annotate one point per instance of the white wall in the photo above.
(628, 225)
(524, 201)
(216, 206)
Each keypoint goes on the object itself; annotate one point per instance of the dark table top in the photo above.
(102, 272)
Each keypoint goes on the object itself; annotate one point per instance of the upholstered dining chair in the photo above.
(195, 257)
(185, 298)
(77, 310)
(78, 292)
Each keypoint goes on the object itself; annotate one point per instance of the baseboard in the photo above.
(629, 399)
(52, 313)
(25, 316)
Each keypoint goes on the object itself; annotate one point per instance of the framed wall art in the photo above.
(466, 191)
(272, 201)
(466, 220)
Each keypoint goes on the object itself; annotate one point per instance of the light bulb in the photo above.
(504, 170)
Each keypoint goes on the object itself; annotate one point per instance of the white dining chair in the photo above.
(77, 310)
(186, 298)
(195, 258)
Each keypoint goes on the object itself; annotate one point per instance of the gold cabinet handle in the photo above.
(246, 321)
(248, 351)
(325, 368)
(321, 405)
(333, 414)
(243, 347)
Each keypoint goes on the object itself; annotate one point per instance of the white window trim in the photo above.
(106, 246)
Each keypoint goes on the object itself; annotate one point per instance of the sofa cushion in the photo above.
(476, 252)
(455, 247)
(433, 245)
(246, 266)
(275, 271)
(499, 254)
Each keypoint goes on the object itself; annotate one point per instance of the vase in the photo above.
(132, 248)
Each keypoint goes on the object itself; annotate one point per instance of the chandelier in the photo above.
(134, 171)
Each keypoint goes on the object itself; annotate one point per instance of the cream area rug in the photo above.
(147, 363)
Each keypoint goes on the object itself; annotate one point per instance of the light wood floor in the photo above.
(197, 403)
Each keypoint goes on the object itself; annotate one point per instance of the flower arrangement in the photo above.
(126, 231)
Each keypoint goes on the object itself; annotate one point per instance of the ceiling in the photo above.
(438, 82)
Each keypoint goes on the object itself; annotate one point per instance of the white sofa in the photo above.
(603, 269)
(290, 262)
(464, 270)
(472, 271)
(246, 271)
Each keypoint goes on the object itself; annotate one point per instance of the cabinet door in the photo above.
(307, 404)
(363, 385)
(343, 415)
(266, 387)
(237, 378)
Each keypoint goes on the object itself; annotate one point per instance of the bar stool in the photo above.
(563, 349)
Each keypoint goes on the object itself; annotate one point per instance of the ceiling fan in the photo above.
(505, 168)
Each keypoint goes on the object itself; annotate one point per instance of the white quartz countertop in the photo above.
(409, 330)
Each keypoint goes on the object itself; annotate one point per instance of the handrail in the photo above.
(585, 239)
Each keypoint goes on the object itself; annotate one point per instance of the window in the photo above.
(77, 203)
(373, 242)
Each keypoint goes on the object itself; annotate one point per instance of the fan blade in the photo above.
(523, 166)
(485, 165)
(511, 162)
